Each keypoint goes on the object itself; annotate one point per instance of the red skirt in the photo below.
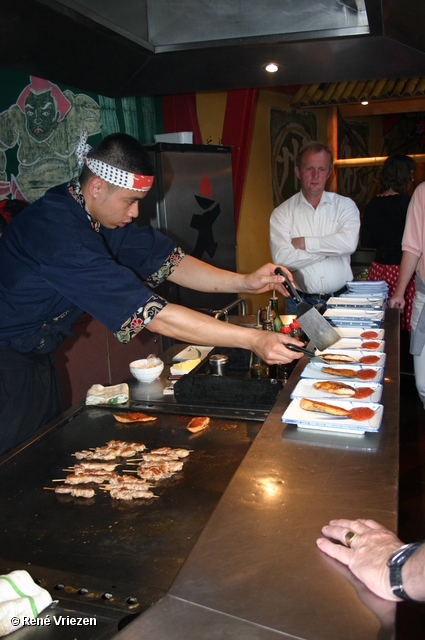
(389, 273)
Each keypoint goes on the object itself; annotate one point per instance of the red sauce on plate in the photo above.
(369, 334)
(366, 374)
(370, 345)
(361, 413)
(363, 392)
(369, 359)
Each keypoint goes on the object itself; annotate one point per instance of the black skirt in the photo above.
(29, 395)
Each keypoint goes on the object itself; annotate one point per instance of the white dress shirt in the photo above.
(331, 233)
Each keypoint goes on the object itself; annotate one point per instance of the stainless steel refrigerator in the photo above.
(191, 201)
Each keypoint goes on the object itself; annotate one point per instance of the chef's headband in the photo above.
(107, 172)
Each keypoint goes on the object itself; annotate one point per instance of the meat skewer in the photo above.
(77, 492)
(130, 494)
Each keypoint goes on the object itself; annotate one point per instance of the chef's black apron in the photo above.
(29, 395)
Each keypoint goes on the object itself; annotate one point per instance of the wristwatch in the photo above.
(395, 565)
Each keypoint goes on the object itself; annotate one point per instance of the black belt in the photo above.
(324, 296)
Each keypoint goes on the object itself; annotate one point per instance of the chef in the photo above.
(76, 249)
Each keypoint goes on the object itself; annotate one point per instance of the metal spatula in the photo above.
(314, 325)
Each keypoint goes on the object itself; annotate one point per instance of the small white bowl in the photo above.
(143, 370)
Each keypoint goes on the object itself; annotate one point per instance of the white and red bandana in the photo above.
(117, 177)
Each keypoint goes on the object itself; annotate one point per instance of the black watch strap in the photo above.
(395, 564)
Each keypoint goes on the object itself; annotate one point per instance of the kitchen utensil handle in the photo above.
(288, 286)
(294, 347)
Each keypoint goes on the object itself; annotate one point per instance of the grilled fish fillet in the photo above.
(322, 407)
(345, 373)
(337, 388)
(133, 417)
(337, 357)
(198, 424)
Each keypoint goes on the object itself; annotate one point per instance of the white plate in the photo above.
(355, 332)
(369, 302)
(295, 415)
(355, 343)
(354, 314)
(313, 370)
(305, 389)
(354, 353)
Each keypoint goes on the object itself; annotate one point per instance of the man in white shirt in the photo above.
(315, 232)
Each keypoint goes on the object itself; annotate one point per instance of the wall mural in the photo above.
(289, 131)
(40, 124)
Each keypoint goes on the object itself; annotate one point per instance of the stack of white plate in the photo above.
(367, 287)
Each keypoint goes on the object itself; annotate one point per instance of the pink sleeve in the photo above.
(414, 231)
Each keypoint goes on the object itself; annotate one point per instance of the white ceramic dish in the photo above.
(365, 315)
(314, 370)
(357, 354)
(356, 332)
(366, 302)
(143, 370)
(295, 415)
(305, 389)
(357, 343)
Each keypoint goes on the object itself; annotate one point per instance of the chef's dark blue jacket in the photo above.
(54, 266)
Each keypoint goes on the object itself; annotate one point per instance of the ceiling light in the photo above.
(365, 102)
(272, 67)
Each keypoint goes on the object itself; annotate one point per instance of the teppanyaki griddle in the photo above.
(100, 554)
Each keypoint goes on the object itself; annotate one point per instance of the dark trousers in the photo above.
(29, 395)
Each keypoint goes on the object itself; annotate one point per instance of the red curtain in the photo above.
(179, 114)
(237, 133)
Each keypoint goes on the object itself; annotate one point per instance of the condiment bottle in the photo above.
(285, 369)
(274, 305)
(268, 325)
(258, 368)
(295, 330)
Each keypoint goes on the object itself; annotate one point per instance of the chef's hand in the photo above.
(368, 554)
(264, 279)
(271, 348)
(397, 302)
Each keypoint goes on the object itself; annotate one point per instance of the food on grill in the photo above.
(159, 470)
(180, 453)
(95, 466)
(112, 450)
(159, 464)
(337, 388)
(322, 407)
(86, 478)
(126, 480)
(77, 492)
(345, 373)
(126, 493)
(134, 417)
(198, 424)
(337, 357)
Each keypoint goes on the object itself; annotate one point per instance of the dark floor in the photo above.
(411, 617)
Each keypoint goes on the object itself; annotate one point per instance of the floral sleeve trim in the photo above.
(140, 318)
(167, 268)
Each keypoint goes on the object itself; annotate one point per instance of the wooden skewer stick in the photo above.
(59, 480)
(49, 488)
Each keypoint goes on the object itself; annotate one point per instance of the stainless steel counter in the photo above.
(255, 571)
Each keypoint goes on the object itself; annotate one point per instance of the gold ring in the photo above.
(349, 537)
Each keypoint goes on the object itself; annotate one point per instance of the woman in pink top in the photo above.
(413, 261)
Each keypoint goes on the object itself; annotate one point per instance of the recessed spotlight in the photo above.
(272, 67)
(365, 102)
